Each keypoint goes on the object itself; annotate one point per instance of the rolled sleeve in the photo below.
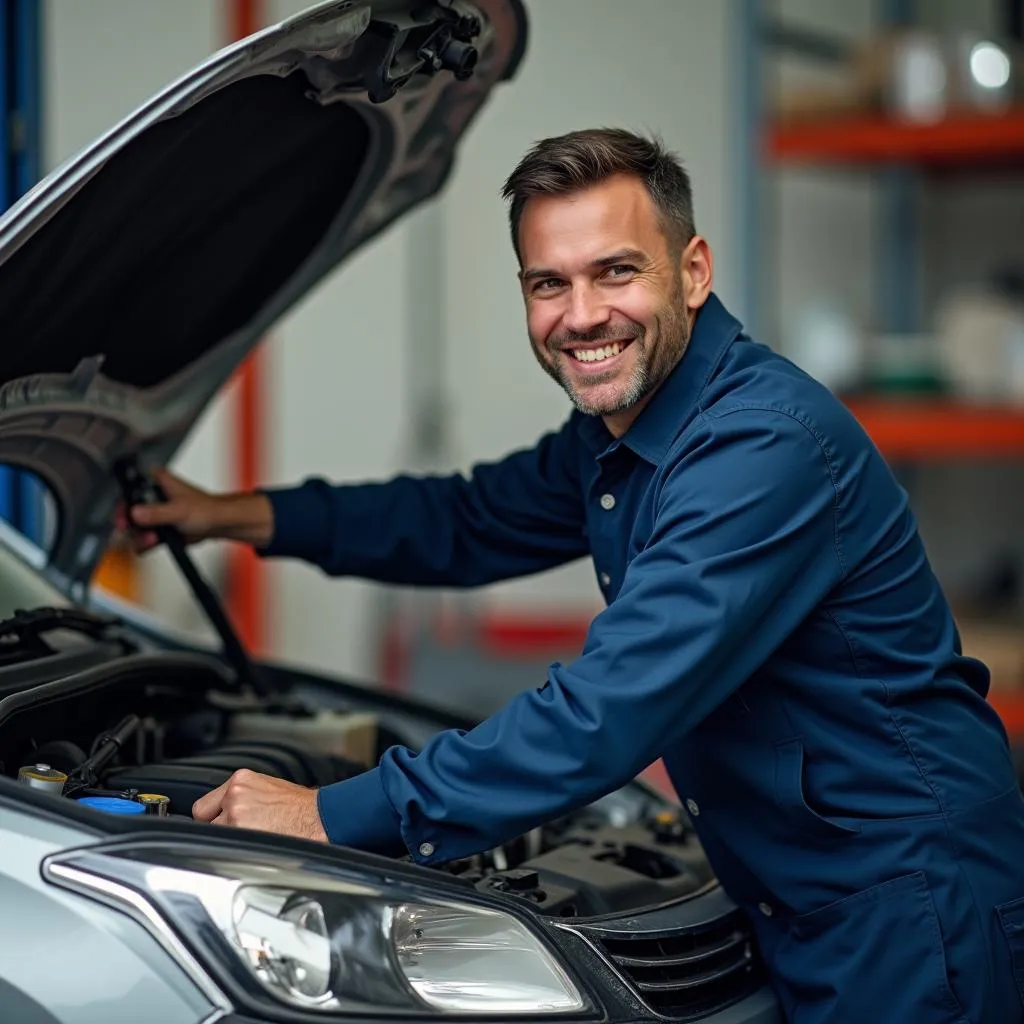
(744, 547)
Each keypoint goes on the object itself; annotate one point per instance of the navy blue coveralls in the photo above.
(774, 631)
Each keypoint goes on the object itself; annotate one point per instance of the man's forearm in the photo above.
(401, 531)
(431, 531)
(518, 516)
(248, 518)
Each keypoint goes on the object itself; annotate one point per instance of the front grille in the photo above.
(690, 972)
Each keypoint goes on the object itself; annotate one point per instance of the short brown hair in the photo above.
(569, 163)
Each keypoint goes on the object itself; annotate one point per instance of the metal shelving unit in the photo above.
(899, 156)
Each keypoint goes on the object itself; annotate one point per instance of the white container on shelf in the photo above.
(981, 345)
(918, 79)
(929, 76)
(825, 343)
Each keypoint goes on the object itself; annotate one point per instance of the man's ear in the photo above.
(697, 269)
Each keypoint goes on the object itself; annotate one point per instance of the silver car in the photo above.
(133, 280)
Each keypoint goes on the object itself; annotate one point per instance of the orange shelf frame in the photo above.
(968, 140)
(1010, 708)
(929, 429)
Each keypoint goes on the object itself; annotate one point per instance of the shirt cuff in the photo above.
(356, 812)
(302, 522)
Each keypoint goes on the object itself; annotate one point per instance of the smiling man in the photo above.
(609, 326)
(773, 629)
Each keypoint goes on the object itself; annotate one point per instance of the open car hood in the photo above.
(135, 278)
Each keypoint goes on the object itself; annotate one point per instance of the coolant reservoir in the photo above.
(337, 733)
(42, 776)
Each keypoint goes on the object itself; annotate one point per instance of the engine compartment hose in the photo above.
(106, 746)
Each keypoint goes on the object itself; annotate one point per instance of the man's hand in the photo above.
(199, 515)
(251, 800)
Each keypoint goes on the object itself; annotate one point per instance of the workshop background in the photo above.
(858, 168)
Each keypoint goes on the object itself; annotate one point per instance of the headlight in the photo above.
(326, 940)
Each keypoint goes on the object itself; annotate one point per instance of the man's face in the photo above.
(608, 303)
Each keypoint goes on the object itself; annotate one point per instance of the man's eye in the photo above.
(620, 270)
(547, 284)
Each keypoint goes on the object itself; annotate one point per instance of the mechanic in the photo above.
(773, 628)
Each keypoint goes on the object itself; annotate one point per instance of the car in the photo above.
(133, 280)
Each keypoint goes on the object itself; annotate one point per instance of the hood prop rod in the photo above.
(140, 489)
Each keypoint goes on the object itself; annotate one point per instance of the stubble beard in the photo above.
(652, 362)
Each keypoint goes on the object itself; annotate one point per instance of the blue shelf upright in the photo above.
(21, 495)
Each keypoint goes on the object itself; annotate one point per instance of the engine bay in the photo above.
(149, 734)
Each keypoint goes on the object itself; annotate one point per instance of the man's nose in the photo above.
(586, 310)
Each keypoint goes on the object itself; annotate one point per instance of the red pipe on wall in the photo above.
(246, 583)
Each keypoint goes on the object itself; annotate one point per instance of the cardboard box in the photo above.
(1000, 647)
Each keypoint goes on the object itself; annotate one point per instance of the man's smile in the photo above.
(596, 355)
(600, 353)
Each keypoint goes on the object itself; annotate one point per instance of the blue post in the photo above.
(21, 496)
(6, 184)
(898, 265)
(27, 92)
(27, 166)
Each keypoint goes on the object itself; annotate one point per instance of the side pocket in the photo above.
(876, 955)
(1011, 918)
(791, 798)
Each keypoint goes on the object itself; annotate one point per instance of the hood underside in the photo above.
(135, 278)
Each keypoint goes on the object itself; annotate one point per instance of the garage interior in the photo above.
(858, 169)
(840, 185)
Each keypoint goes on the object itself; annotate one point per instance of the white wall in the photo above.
(659, 66)
(105, 57)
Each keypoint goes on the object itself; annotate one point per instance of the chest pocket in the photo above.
(1011, 918)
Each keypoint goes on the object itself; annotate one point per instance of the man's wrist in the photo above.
(313, 826)
(247, 517)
